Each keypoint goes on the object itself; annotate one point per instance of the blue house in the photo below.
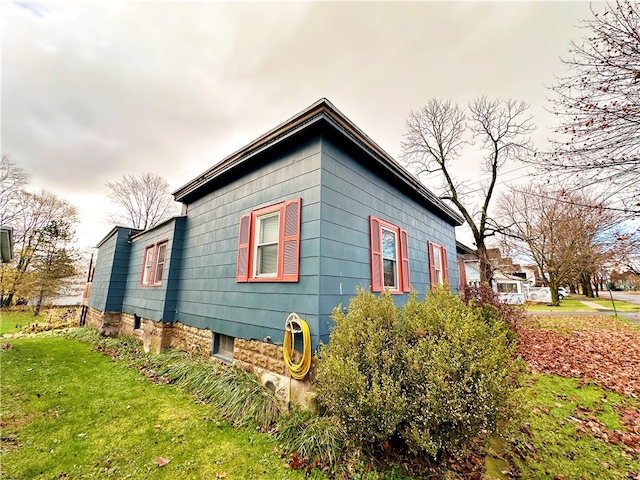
(292, 222)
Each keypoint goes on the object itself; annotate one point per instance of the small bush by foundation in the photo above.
(429, 377)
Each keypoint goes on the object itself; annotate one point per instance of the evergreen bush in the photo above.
(431, 374)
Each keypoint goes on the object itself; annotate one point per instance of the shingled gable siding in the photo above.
(154, 302)
(350, 193)
(112, 263)
(209, 295)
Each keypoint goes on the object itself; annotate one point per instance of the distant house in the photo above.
(627, 280)
(510, 281)
(292, 222)
(6, 244)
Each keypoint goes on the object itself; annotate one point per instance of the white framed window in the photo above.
(160, 261)
(147, 265)
(269, 243)
(389, 246)
(266, 245)
(389, 259)
(153, 264)
(438, 266)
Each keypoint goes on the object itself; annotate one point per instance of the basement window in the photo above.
(223, 347)
(136, 322)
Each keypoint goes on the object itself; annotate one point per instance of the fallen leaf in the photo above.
(82, 434)
(221, 474)
(162, 461)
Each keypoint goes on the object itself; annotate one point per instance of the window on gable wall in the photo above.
(438, 266)
(269, 244)
(160, 260)
(389, 257)
(147, 266)
(154, 260)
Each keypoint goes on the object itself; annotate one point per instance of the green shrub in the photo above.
(458, 381)
(360, 375)
(432, 374)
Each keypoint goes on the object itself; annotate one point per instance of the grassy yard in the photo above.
(14, 320)
(581, 417)
(569, 304)
(574, 304)
(574, 430)
(69, 412)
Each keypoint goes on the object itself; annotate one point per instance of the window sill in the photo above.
(224, 358)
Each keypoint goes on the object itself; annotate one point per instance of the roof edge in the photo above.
(320, 108)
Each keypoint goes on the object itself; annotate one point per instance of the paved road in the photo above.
(623, 297)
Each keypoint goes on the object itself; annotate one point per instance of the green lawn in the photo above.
(574, 304)
(14, 320)
(569, 304)
(605, 301)
(69, 412)
(564, 429)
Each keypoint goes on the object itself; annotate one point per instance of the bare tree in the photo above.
(565, 233)
(627, 248)
(598, 104)
(39, 212)
(434, 138)
(13, 180)
(145, 199)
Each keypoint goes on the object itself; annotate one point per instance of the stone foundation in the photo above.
(265, 359)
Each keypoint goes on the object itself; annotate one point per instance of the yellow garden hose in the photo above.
(293, 325)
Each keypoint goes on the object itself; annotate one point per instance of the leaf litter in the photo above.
(599, 350)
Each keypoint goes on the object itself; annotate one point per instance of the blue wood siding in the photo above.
(209, 295)
(155, 302)
(338, 191)
(110, 275)
(351, 192)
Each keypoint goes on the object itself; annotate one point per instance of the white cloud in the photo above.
(91, 91)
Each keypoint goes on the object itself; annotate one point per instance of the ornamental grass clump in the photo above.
(317, 438)
(237, 395)
(430, 376)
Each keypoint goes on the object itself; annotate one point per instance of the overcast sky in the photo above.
(95, 90)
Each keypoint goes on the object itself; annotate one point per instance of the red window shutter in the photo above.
(290, 240)
(462, 273)
(242, 268)
(445, 266)
(404, 252)
(376, 254)
(432, 266)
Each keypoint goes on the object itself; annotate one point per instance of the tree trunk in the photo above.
(585, 281)
(554, 283)
(8, 299)
(36, 310)
(484, 265)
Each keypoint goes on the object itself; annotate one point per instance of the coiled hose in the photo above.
(293, 325)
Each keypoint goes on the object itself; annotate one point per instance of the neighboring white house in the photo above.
(512, 282)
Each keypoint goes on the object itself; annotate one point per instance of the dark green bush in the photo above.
(433, 374)
(458, 381)
(360, 374)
